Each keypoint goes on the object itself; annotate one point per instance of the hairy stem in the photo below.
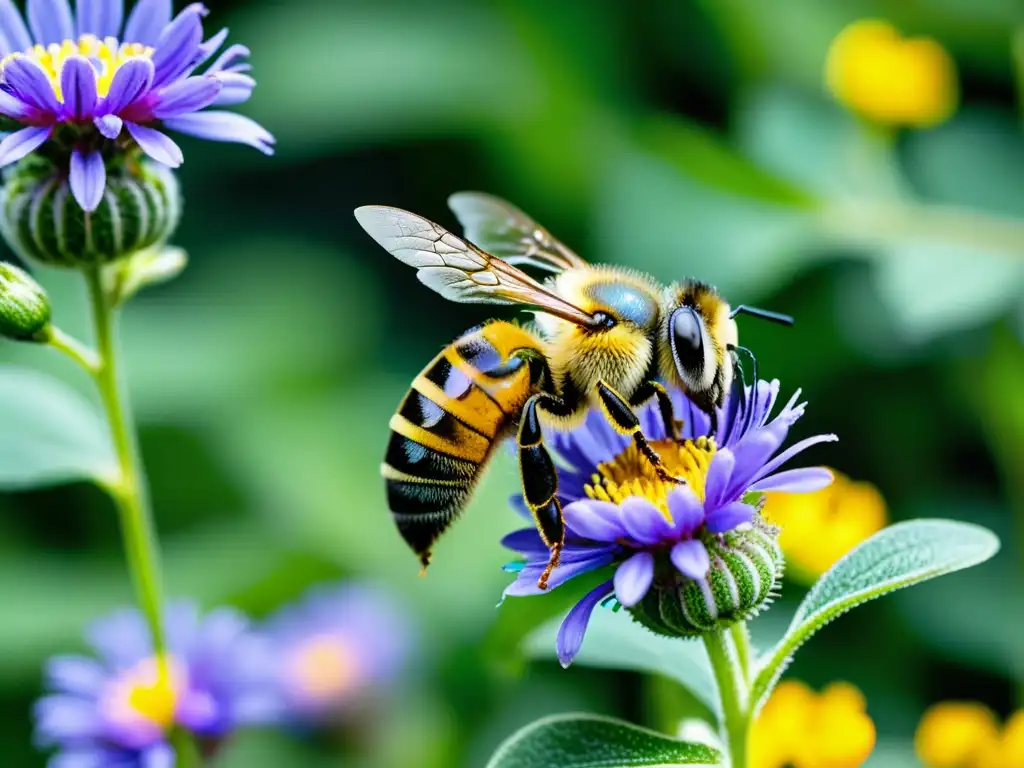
(741, 638)
(732, 688)
(129, 492)
(72, 347)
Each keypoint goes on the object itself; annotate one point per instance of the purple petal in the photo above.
(574, 627)
(796, 481)
(109, 125)
(178, 47)
(99, 17)
(78, 83)
(50, 21)
(643, 521)
(30, 84)
(147, 20)
(237, 89)
(87, 757)
(229, 59)
(120, 639)
(687, 511)
(595, 520)
(211, 46)
(76, 675)
(65, 718)
(728, 517)
(198, 711)
(184, 96)
(157, 145)
(633, 578)
(224, 126)
(527, 541)
(526, 580)
(718, 478)
(790, 452)
(158, 756)
(12, 29)
(23, 142)
(131, 81)
(14, 107)
(691, 558)
(88, 179)
(750, 454)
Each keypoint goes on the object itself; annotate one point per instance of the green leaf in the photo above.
(615, 641)
(899, 556)
(588, 741)
(49, 433)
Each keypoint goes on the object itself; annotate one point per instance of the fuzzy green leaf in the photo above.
(49, 433)
(588, 741)
(614, 641)
(899, 556)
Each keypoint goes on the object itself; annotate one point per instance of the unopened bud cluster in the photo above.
(24, 305)
(42, 222)
(746, 567)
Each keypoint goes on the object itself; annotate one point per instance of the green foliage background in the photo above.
(682, 138)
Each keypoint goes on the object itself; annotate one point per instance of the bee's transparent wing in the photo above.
(457, 269)
(502, 229)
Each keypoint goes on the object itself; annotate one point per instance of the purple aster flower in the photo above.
(115, 710)
(115, 84)
(686, 557)
(335, 648)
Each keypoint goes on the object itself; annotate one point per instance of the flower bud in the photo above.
(24, 305)
(41, 221)
(746, 566)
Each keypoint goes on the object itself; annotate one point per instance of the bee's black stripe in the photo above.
(422, 511)
(434, 418)
(420, 461)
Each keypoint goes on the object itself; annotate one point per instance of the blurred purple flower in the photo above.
(116, 710)
(617, 512)
(336, 647)
(87, 70)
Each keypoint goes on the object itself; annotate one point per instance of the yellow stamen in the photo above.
(107, 55)
(150, 690)
(631, 473)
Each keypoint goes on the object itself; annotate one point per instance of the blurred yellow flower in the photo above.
(818, 528)
(874, 71)
(804, 729)
(955, 734)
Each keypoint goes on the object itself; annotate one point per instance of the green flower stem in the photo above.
(741, 638)
(72, 347)
(732, 688)
(129, 492)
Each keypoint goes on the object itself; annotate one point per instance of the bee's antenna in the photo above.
(764, 314)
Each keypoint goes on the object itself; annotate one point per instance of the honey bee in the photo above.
(603, 337)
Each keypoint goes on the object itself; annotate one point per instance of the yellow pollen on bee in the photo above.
(632, 474)
(107, 56)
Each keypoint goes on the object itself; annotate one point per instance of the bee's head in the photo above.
(698, 331)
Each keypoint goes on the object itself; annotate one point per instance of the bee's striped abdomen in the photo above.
(443, 433)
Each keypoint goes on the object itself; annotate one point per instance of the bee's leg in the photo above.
(622, 417)
(540, 480)
(654, 389)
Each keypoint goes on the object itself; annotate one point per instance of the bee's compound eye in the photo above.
(604, 320)
(687, 339)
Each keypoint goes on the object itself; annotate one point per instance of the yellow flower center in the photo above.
(631, 473)
(323, 669)
(107, 55)
(149, 691)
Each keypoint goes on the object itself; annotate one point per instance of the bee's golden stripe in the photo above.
(460, 441)
(475, 408)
